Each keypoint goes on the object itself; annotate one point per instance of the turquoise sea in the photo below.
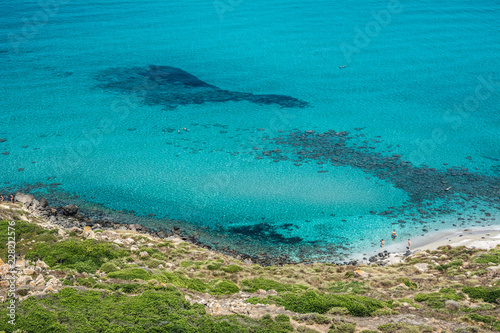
(217, 115)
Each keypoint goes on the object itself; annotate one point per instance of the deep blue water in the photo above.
(82, 106)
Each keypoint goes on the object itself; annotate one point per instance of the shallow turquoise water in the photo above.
(401, 86)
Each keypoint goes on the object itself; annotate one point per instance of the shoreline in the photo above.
(485, 237)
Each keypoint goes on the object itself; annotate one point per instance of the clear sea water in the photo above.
(413, 81)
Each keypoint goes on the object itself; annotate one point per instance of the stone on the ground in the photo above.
(24, 198)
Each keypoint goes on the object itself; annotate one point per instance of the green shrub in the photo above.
(310, 301)
(214, 266)
(321, 319)
(25, 233)
(492, 256)
(353, 287)
(282, 318)
(84, 256)
(454, 263)
(492, 322)
(437, 300)
(337, 311)
(265, 284)
(131, 274)
(343, 328)
(232, 269)
(164, 310)
(224, 287)
(109, 267)
(408, 283)
(487, 294)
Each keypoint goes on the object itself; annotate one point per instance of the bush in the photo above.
(109, 267)
(232, 269)
(444, 267)
(26, 231)
(131, 274)
(487, 294)
(84, 256)
(224, 288)
(265, 284)
(282, 318)
(437, 300)
(354, 287)
(343, 328)
(164, 310)
(310, 301)
(214, 266)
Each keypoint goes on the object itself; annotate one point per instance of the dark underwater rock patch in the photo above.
(420, 182)
(171, 87)
(264, 232)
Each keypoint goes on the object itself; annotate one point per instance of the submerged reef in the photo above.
(420, 182)
(171, 87)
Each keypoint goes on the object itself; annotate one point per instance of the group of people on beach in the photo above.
(393, 236)
(11, 198)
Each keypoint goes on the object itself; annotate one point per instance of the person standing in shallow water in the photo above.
(382, 242)
(409, 245)
(394, 234)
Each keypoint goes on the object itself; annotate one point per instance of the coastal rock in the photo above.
(109, 233)
(129, 241)
(118, 242)
(24, 198)
(452, 305)
(88, 232)
(61, 233)
(70, 210)
(261, 292)
(360, 274)
(423, 267)
(76, 229)
(39, 280)
(134, 248)
(43, 202)
(28, 271)
(41, 264)
(493, 268)
(143, 254)
(23, 280)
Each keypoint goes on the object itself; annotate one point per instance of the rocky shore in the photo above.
(69, 216)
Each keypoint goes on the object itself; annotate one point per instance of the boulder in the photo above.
(88, 232)
(493, 268)
(360, 274)
(41, 264)
(61, 233)
(129, 241)
(43, 202)
(39, 280)
(28, 271)
(23, 280)
(423, 267)
(118, 241)
(24, 198)
(452, 305)
(143, 254)
(70, 210)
